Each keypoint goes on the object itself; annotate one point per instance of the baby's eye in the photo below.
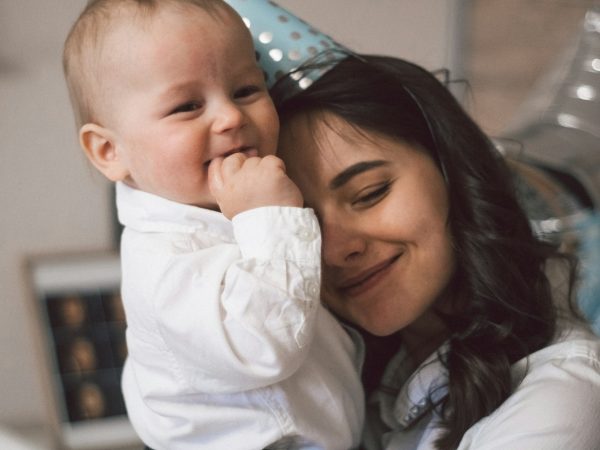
(372, 196)
(186, 107)
(246, 91)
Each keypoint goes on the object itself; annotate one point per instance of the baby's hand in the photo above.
(240, 183)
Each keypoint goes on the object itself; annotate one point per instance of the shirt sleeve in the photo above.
(239, 317)
(555, 408)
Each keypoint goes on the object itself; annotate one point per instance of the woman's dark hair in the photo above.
(503, 308)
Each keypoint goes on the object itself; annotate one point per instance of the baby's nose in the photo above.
(228, 116)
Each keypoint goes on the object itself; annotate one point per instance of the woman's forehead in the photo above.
(329, 139)
(319, 143)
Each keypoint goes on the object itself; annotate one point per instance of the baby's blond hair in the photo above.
(83, 50)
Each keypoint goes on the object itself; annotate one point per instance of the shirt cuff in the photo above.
(279, 232)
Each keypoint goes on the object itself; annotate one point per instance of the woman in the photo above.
(428, 253)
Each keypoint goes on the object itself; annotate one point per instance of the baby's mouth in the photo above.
(247, 150)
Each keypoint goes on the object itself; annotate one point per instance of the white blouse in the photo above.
(555, 406)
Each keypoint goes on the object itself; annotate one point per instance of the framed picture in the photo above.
(81, 324)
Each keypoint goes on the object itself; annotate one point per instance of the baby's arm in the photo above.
(250, 309)
(239, 183)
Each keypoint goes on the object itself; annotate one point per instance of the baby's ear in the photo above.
(101, 149)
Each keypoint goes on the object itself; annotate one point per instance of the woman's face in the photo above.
(383, 207)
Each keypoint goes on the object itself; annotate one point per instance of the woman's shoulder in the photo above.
(555, 403)
(572, 358)
(575, 344)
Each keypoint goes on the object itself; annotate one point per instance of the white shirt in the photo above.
(556, 406)
(229, 347)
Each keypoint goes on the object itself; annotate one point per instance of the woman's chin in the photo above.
(378, 326)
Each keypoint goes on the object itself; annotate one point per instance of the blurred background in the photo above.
(56, 206)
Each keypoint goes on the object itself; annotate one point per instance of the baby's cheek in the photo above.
(272, 140)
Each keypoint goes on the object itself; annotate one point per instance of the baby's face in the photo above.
(186, 88)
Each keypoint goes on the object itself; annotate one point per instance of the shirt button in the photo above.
(201, 226)
(305, 234)
(312, 288)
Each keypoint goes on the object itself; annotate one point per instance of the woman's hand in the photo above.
(240, 183)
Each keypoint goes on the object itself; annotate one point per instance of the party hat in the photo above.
(283, 42)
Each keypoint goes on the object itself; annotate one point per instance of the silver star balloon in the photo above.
(558, 134)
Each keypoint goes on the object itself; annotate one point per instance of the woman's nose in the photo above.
(227, 116)
(341, 244)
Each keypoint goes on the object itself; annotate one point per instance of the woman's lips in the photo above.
(363, 282)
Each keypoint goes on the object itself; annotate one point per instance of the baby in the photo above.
(229, 347)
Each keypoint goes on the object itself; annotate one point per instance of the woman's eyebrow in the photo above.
(347, 174)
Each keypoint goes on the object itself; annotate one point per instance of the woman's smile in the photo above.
(368, 279)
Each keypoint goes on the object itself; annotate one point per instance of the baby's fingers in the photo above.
(231, 165)
(215, 176)
(272, 162)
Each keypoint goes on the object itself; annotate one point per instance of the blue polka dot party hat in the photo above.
(283, 42)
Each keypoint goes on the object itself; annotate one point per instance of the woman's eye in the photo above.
(246, 91)
(186, 107)
(372, 196)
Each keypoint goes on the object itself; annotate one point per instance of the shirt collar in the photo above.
(408, 395)
(147, 212)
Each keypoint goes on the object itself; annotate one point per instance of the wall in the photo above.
(49, 199)
(53, 202)
(427, 31)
